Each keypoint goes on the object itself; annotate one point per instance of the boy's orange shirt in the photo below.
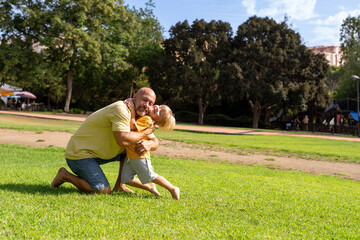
(141, 123)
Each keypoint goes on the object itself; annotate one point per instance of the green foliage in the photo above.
(333, 78)
(214, 119)
(76, 110)
(83, 44)
(350, 47)
(217, 120)
(218, 201)
(224, 120)
(278, 70)
(186, 117)
(192, 60)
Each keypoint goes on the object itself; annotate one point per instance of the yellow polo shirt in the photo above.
(94, 138)
(141, 123)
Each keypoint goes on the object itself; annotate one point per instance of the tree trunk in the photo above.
(48, 102)
(256, 114)
(69, 90)
(202, 109)
(268, 114)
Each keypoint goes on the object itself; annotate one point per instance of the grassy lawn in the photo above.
(312, 148)
(36, 124)
(218, 201)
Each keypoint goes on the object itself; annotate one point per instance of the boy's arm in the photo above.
(130, 104)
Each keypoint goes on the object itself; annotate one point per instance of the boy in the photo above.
(141, 165)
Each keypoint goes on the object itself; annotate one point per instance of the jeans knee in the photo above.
(105, 190)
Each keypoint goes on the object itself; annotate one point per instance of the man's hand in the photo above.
(144, 146)
(149, 130)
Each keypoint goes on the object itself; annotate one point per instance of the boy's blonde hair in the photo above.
(167, 122)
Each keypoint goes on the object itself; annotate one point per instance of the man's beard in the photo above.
(141, 111)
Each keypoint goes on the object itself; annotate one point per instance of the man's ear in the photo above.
(134, 95)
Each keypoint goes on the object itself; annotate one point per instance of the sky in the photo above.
(317, 21)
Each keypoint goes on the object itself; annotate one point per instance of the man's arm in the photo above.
(130, 104)
(144, 146)
(124, 139)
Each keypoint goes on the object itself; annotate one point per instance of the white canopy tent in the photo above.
(7, 90)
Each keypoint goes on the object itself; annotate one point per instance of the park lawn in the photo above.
(306, 147)
(311, 148)
(23, 123)
(218, 201)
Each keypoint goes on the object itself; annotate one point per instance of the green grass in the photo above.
(311, 148)
(37, 124)
(218, 201)
(314, 148)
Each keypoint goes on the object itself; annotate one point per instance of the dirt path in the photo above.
(223, 130)
(175, 149)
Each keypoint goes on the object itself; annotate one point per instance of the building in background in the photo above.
(332, 54)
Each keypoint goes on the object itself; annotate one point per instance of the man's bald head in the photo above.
(148, 91)
(144, 99)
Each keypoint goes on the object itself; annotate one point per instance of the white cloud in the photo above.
(250, 6)
(277, 9)
(325, 35)
(342, 8)
(308, 17)
(327, 30)
(336, 19)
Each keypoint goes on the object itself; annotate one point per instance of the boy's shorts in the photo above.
(90, 170)
(140, 167)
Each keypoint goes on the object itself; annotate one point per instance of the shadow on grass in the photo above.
(47, 190)
(143, 195)
(35, 189)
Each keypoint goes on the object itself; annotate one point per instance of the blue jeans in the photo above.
(90, 170)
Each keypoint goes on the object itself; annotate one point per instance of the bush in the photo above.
(218, 119)
(186, 117)
(224, 120)
(243, 121)
(57, 111)
(214, 119)
(76, 110)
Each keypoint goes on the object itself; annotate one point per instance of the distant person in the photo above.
(101, 139)
(23, 106)
(140, 165)
(18, 105)
(296, 123)
(305, 122)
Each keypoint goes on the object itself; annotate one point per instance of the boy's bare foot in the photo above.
(122, 188)
(154, 190)
(175, 193)
(59, 178)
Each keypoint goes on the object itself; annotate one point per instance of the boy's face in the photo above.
(157, 112)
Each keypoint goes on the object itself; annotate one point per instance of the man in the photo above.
(102, 138)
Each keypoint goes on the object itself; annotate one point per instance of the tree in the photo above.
(277, 68)
(350, 47)
(70, 33)
(146, 46)
(97, 86)
(193, 59)
(334, 77)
